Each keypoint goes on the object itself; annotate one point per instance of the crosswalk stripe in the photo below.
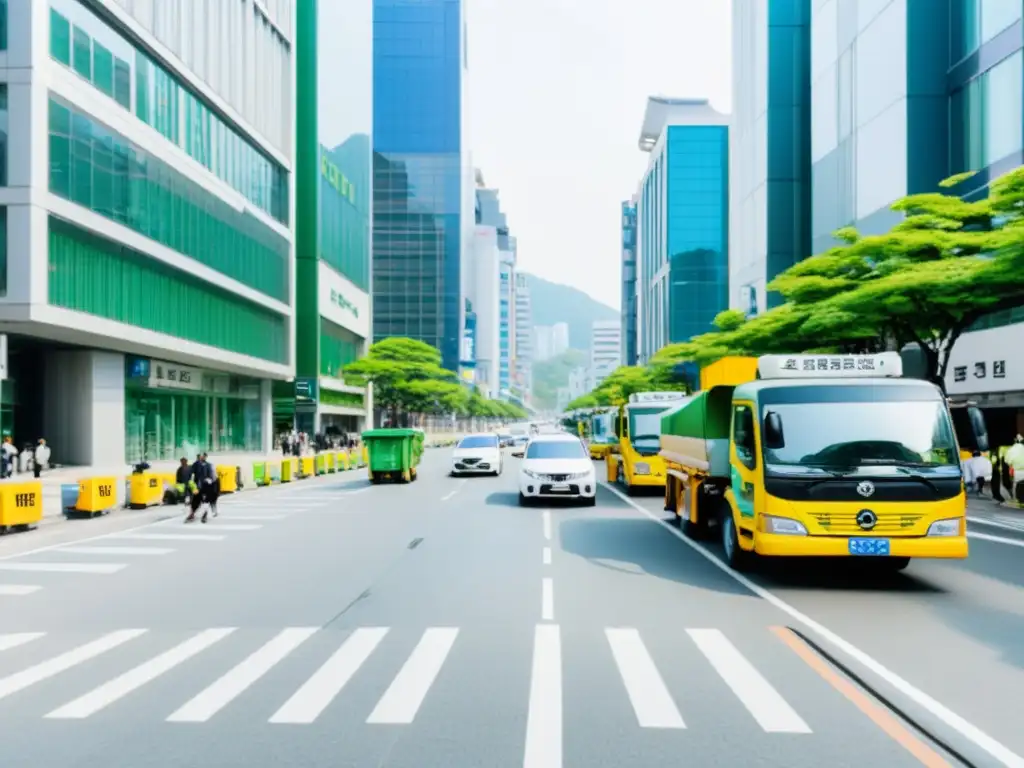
(221, 693)
(306, 705)
(544, 718)
(168, 537)
(258, 517)
(401, 701)
(771, 711)
(119, 687)
(51, 667)
(216, 525)
(89, 550)
(646, 689)
(63, 567)
(19, 638)
(18, 590)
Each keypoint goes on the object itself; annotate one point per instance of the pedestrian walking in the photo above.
(40, 457)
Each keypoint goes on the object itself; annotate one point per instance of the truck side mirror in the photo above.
(774, 439)
(978, 427)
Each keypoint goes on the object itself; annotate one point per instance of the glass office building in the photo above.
(420, 200)
(628, 225)
(682, 222)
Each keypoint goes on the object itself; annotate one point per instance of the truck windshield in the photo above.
(854, 434)
(645, 428)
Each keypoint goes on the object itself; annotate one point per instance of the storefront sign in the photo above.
(306, 392)
(174, 376)
(336, 178)
(343, 303)
(986, 362)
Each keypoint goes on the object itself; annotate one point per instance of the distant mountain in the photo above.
(555, 303)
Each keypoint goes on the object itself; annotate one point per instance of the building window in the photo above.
(338, 348)
(3, 25)
(4, 127)
(985, 116)
(101, 170)
(975, 22)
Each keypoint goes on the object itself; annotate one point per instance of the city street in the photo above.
(439, 625)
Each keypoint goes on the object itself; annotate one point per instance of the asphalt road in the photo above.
(438, 625)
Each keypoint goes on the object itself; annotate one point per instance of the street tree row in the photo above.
(944, 266)
(408, 379)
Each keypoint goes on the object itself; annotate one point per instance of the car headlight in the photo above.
(783, 526)
(581, 475)
(642, 468)
(950, 527)
(531, 473)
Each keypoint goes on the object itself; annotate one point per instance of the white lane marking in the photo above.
(402, 700)
(771, 711)
(546, 516)
(547, 599)
(222, 692)
(353, 493)
(169, 537)
(645, 687)
(216, 525)
(47, 669)
(999, 539)
(20, 638)
(119, 687)
(90, 550)
(1005, 524)
(968, 730)
(544, 719)
(457, 488)
(307, 703)
(17, 590)
(64, 567)
(547, 555)
(246, 518)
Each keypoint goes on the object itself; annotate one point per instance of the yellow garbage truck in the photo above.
(820, 455)
(633, 460)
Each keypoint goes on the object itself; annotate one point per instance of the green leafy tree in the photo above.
(947, 264)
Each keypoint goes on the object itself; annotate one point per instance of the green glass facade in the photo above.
(338, 348)
(90, 274)
(161, 100)
(344, 219)
(94, 166)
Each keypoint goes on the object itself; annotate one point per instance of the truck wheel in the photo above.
(735, 558)
(894, 564)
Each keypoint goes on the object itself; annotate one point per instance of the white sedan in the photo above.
(557, 466)
(477, 455)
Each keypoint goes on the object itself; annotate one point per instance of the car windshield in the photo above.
(556, 449)
(479, 441)
(850, 435)
(645, 427)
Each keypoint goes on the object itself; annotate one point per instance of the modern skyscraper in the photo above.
(483, 279)
(629, 283)
(148, 159)
(421, 203)
(682, 222)
(605, 350)
(333, 200)
(769, 146)
(523, 379)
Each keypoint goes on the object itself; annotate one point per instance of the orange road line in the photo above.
(878, 714)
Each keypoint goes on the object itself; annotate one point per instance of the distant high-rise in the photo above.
(422, 208)
(523, 377)
(605, 349)
(628, 226)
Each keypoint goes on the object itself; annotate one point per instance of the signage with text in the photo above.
(984, 362)
(336, 178)
(174, 376)
(343, 303)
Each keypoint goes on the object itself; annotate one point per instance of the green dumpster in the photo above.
(394, 454)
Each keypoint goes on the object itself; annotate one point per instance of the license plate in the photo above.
(560, 487)
(869, 547)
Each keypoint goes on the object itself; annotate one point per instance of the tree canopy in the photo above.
(627, 380)
(945, 265)
(407, 377)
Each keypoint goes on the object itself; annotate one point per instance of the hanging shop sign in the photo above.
(166, 375)
(342, 303)
(987, 362)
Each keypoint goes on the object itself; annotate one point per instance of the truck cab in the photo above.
(602, 433)
(634, 460)
(822, 455)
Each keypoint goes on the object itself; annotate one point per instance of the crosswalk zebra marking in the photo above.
(110, 692)
(17, 639)
(316, 694)
(46, 669)
(90, 550)
(18, 590)
(402, 700)
(771, 711)
(99, 568)
(645, 687)
(169, 537)
(221, 693)
(544, 718)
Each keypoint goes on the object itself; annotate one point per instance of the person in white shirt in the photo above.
(41, 457)
(978, 470)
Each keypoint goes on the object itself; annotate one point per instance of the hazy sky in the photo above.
(557, 96)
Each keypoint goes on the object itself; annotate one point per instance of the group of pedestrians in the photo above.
(36, 459)
(198, 486)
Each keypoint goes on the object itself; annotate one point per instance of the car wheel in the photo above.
(523, 501)
(590, 501)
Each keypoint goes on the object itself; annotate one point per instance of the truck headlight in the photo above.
(783, 526)
(642, 468)
(950, 527)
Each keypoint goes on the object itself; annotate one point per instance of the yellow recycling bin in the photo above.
(21, 504)
(344, 462)
(330, 460)
(306, 467)
(321, 463)
(145, 489)
(366, 457)
(289, 468)
(96, 495)
(228, 477)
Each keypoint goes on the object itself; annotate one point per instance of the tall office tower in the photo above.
(605, 349)
(148, 299)
(628, 322)
(422, 211)
(332, 227)
(559, 339)
(682, 222)
(523, 379)
(769, 147)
